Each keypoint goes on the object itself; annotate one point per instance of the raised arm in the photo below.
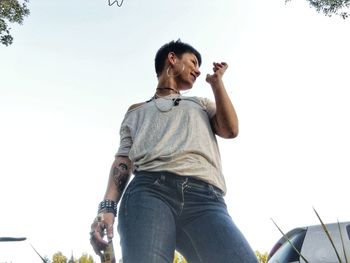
(117, 181)
(225, 121)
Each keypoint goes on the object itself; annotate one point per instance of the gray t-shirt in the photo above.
(173, 134)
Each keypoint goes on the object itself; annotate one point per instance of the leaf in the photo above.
(328, 235)
(287, 239)
(342, 243)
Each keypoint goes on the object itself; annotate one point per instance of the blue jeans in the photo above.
(161, 212)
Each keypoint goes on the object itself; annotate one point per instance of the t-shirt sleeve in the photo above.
(209, 106)
(125, 139)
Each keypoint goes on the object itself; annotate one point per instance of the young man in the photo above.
(175, 200)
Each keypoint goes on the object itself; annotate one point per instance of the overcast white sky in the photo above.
(76, 66)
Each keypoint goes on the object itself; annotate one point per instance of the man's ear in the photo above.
(172, 58)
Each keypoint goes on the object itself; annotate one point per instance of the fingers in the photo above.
(100, 227)
(221, 64)
(96, 245)
(108, 222)
(219, 70)
(218, 66)
(97, 242)
(207, 78)
(110, 233)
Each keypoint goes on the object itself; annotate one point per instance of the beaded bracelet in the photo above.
(107, 206)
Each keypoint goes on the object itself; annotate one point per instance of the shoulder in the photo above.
(196, 99)
(136, 106)
(207, 104)
(204, 102)
(132, 114)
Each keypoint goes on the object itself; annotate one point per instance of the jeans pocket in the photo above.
(161, 183)
(201, 191)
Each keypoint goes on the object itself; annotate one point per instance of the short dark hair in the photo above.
(179, 48)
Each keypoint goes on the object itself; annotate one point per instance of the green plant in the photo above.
(288, 240)
(262, 257)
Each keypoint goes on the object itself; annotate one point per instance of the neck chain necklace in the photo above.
(166, 103)
(171, 89)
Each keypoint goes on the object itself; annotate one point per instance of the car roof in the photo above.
(317, 246)
(291, 233)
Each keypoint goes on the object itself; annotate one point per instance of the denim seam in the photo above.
(194, 247)
(127, 195)
(183, 188)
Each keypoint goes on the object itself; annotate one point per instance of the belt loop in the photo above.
(162, 177)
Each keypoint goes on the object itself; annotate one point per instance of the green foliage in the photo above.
(85, 258)
(262, 257)
(331, 7)
(11, 11)
(60, 258)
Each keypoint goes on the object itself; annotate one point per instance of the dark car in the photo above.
(313, 244)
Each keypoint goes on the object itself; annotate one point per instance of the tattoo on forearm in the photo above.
(123, 166)
(121, 176)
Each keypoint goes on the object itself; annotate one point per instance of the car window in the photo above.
(286, 253)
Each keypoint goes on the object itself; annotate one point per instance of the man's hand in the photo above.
(219, 70)
(103, 224)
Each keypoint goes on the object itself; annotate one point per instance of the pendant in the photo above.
(164, 105)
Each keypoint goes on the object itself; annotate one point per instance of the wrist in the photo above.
(107, 206)
(215, 81)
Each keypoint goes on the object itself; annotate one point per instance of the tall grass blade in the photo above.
(288, 240)
(328, 235)
(342, 243)
(43, 259)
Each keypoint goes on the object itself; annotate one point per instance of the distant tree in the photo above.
(85, 258)
(11, 11)
(262, 257)
(331, 7)
(71, 260)
(59, 258)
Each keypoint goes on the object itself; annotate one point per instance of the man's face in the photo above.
(190, 72)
